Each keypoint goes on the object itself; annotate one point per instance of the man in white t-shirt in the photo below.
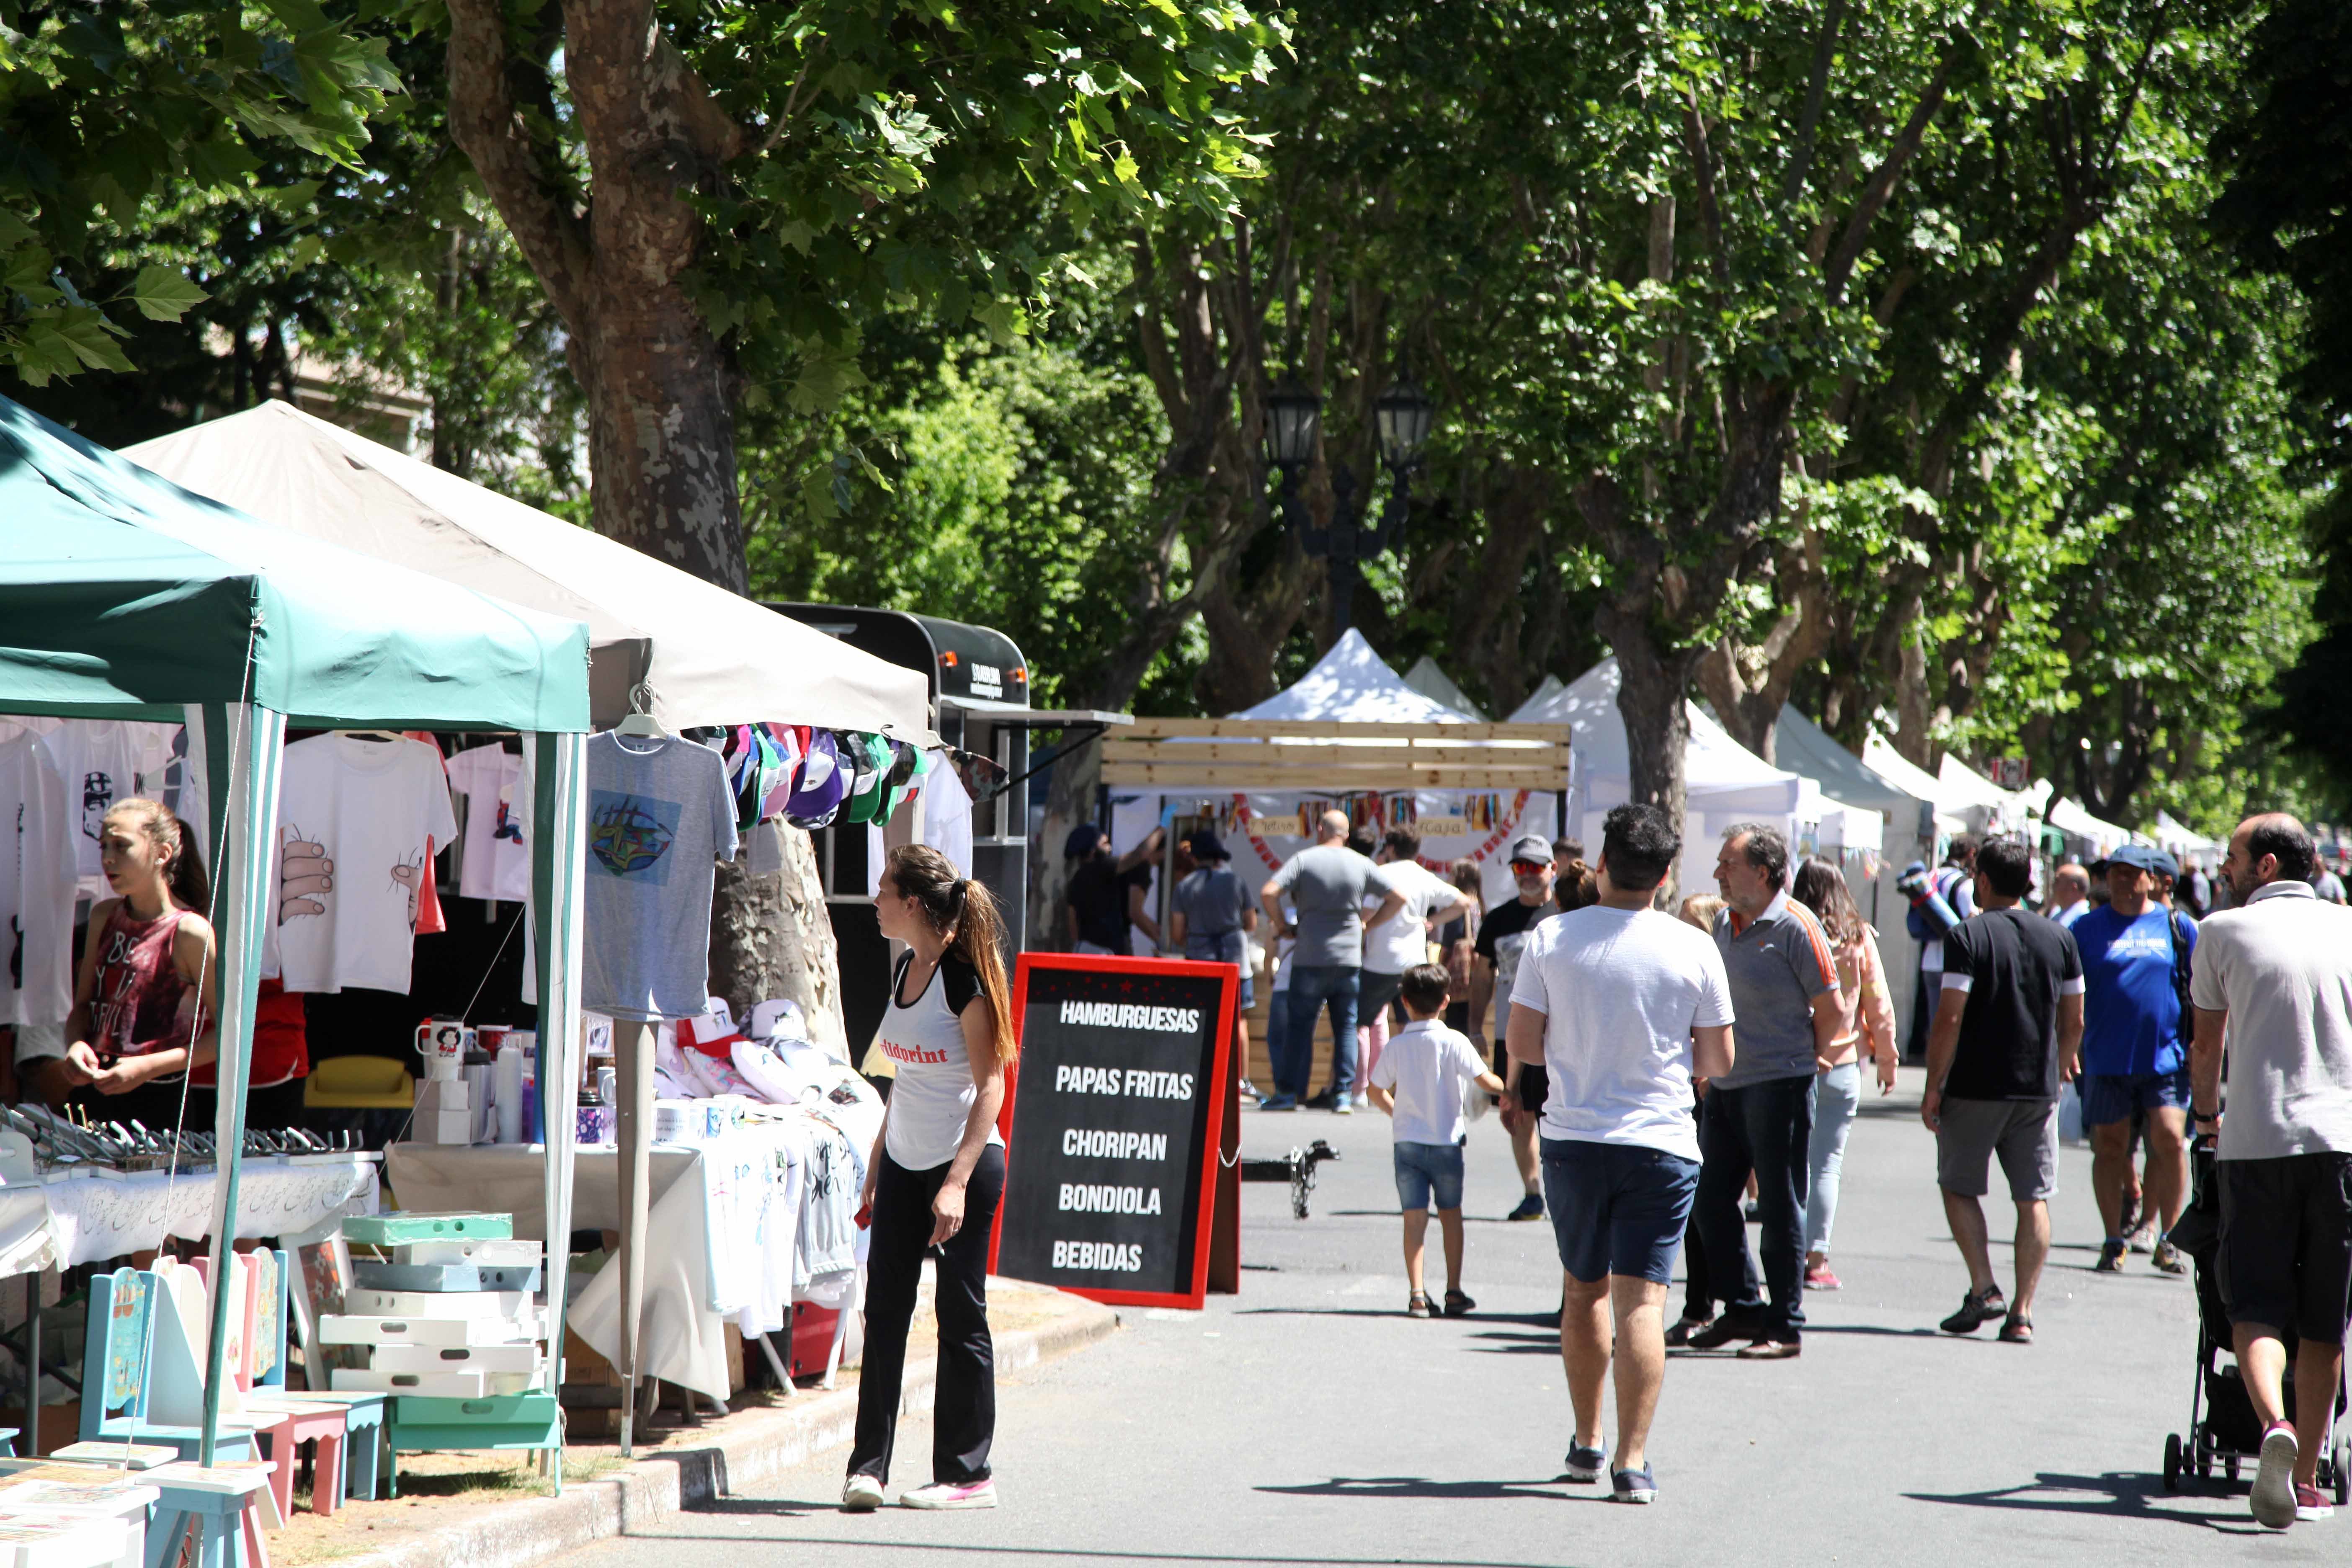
(1402, 942)
(1623, 1005)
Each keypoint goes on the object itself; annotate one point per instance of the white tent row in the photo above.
(2069, 817)
(2183, 841)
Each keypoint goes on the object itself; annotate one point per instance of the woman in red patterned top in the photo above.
(148, 991)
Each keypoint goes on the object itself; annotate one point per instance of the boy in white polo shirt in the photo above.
(1419, 1081)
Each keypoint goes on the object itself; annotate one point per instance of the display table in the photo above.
(722, 1240)
(88, 1217)
(684, 1337)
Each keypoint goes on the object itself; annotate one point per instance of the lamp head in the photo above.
(1294, 417)
(1404, 414)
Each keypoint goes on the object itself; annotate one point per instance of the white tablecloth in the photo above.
(682, 1337)
(87, 1218)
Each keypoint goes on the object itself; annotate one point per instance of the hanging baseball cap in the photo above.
(823, 782)
(874, 760)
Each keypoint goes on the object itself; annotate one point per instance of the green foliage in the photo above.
(105, 106)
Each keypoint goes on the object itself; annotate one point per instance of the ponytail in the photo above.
(174, 841)
(966, 912)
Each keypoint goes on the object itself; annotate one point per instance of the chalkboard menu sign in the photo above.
(1111, 1128)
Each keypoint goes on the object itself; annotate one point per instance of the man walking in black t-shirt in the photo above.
(2008, 1028)
(1502, 936)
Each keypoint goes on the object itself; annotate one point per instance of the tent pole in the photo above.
(559, 823)
(633, 1061)
(249, 813)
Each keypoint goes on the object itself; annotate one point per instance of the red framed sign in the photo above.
(1110, 1126)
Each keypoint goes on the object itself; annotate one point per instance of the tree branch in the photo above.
(518, 170)
(1883, 179)
(1710, 215)
(1809, 120)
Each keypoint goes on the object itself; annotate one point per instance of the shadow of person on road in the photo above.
(2114, 1495)
(1421, 1487)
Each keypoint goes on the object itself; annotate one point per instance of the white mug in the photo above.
(443, 1043)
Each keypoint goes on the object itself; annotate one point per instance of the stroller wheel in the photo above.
(2172, 1462)
(2344, 1472)
(2231, 1466)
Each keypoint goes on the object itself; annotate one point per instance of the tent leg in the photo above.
(632, 1056)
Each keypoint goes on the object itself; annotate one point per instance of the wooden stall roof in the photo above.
(1272, 755)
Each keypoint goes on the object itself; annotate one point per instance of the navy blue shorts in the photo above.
(2110, 1097)
(1429, 1175)
(1617, 1208)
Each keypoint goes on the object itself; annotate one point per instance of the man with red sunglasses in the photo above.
(1502, 936)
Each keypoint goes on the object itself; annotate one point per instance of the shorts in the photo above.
(1429, 1175)
(2286, 1243)
(2023, 1132)
(1535, 1081)
(1375, 992)
(1617, 1208)
(1225, 947)
(2109, 1098)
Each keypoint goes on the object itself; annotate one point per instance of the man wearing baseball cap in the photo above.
(2135, 968)
(1503, 935)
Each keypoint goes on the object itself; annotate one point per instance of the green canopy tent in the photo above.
(123, 597)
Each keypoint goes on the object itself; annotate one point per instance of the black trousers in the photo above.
(1699, 1292)
(963, 1425)
(1765, 1128)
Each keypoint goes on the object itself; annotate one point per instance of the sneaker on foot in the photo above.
(2111, 1255)
(1819, 1277)
(2143, 1236)
(1343, 1108)
(1530, 1207)
(1633, 1486)
(1585, 1464)
(861, 1494)
(2273, 1498)
(1249, 1091)
(947, 1495)
(1278, 1103)
(2312, 1504)
(2168, 1258)
(1976, 1310)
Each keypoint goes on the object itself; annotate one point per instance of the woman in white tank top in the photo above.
(936, 1176)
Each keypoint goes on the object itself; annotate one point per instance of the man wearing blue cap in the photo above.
(2135, 968)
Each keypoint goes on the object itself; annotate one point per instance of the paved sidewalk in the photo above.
(1308, 1421)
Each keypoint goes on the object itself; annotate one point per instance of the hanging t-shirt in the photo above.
(37, 864)
(354, 819)
(497, 863)
(102, 761)
(659, 816)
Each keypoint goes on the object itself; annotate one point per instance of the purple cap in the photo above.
(821, 785)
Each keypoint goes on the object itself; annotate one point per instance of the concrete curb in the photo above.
(512, 1533)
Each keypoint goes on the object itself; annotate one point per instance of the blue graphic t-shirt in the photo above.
(2131, 1014)
(659, 818)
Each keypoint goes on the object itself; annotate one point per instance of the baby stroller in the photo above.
(2222, 1429)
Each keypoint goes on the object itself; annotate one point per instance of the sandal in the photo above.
(1457, 1305)
(1417, 1305)
(2016, 1331)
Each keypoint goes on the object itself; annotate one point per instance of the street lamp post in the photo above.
(1294, 421)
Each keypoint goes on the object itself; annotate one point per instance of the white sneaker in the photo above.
(861, 1494)
(2273, 1498)
(943, 1495)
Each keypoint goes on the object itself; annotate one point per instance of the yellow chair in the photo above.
(360, 1083)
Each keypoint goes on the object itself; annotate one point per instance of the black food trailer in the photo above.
(979, 702)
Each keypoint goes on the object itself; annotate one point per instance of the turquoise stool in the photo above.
(139, 1378)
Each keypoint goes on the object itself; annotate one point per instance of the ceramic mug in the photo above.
(443, 1043)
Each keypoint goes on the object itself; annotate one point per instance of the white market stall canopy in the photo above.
(1882, 758)
(2182, 839)
(2069, 817)
(710, 656)
(1721, 775)
(1432, 682)
(1797, 743)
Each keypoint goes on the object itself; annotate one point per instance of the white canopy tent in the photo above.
(1351, 684)
(2069, 817)
(1723, 782)
(1427, 679)
(2184, 841)
(709, 657)
(1882, 758)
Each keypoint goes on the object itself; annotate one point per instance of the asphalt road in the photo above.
(1308, 1421)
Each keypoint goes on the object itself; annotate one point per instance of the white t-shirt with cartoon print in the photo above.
(352, 819)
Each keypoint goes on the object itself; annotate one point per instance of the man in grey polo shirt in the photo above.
(2275, 972)
(1326, 883)
(1759, 1116)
